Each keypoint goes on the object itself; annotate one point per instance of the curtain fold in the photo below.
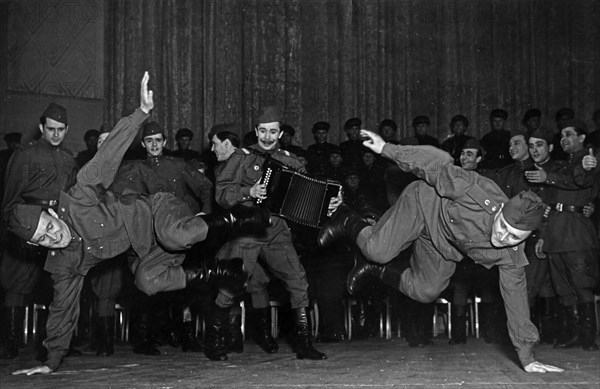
(223, 61)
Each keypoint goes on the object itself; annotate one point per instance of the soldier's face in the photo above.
(268, 135)
(421, 129)
(222, 150)
(368, 159)
(52, 232)
(387, 133)
(335, 159)
(54, 132)
(505, 235)
(518, 148)
(321, 136)
(353, 132)
(102, 138)
(497, 123)
(458, 127)
(469, 159)
(570, 141)
(154, 144)
(539, 150)
(533, 122)
(184, 142)
(353, 181)
(286, 139)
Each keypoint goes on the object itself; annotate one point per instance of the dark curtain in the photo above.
(218, 61)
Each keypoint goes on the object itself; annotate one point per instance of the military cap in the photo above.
(352, 122)
(269, 115)
(335, 150)
(543, 133)
(151, 128)
(518, 132)
(24, 219)
(352, 172)
(288, 129)
(459, 118)
(56, 112)
(13, 137)
(91, 133)
(565, 113)
(183, 132)
(320, 126)
(472, 143)
(499, 113)
(388, 123)
(524, 211)
(578, 124)
(421, 119)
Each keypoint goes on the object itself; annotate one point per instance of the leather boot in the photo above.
(13, 317)
(263, 331)
(234, 339)
(366, 277)
(587, 317)
(459, 324)
(145, 339)
(214, 340)
(189, 341)
(304, 348)
(549, 320)
(570, 336)
(344, 225)
(239, 221)
(106, 340)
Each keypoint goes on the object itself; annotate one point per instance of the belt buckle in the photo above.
(52, 203)
(559, 207)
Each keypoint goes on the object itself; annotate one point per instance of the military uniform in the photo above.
(317, 155)
(104, 225)
(495, 143)
(35, 175)
(451, 213)
(352, 151)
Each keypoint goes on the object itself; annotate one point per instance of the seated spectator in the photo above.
(287, 137)
(495, 142)
(532, 120)
(454, 143)
(335, 169)
(352, 148)
(420, 125)
(318, 152)
(388, 129)
(91, 142)
(184, 140)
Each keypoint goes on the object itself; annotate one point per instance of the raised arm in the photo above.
(99, 173)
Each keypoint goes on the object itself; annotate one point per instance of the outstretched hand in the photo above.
(537, 176)
(375, 142)
(538, 367)
(146, 96)
(34, 370)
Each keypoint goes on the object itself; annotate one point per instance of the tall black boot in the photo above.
(587, 317)
(570, 336)
(41, 352)
(214, 339)
(304, 348)
(234, 337)
(240, 220)
(549, 320)
(13, 317)
(263, 331)
(189, 341)
(365, 276)
(345, 225)
(459, 324)
(145, 339)
(106, 340)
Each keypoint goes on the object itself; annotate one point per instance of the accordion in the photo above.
(295, 196)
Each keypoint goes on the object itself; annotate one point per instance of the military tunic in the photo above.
(35, 174)
(241, 171)
(104, 225)
(447, 215)
(317, 156)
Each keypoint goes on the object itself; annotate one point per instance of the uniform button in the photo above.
(52, 253)
(88, 248)
(100, 247)
(515, 248)
(487, 202)
(62, 209)
(451, 220)
(494, 208)
(101, 224)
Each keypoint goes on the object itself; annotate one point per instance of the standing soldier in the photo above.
(35, 175)
(569, 239)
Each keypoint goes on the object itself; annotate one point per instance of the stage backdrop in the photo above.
(216, 61)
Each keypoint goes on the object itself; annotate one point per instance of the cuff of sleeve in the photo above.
(246, 194)
(54, 361)
(139, 116)
(389, 150)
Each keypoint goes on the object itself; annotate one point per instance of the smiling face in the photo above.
(268, 135)
(54, 132)
(469, 159)
(51, 231)
(518, 148)
(154, 144)
(539, 150)
(504, 235)
(570, 141)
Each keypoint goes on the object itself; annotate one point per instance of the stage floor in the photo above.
(372, 363)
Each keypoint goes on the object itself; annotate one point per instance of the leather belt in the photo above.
(41, 203)
(560, 207)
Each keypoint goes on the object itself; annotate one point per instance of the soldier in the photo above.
(239, 183)
(420, 126)
(287, 138)
(352, 148)
(453, 213)
(387, 129)
(35, 175)
(495, 142)
(13, 142)
(318, 152)
(457, 138)
(531, 120)
(569, 239)
(184, 140)
(93, 224)
(91, 142)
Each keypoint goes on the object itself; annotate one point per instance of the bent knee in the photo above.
(426, 294)
(145, 283)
